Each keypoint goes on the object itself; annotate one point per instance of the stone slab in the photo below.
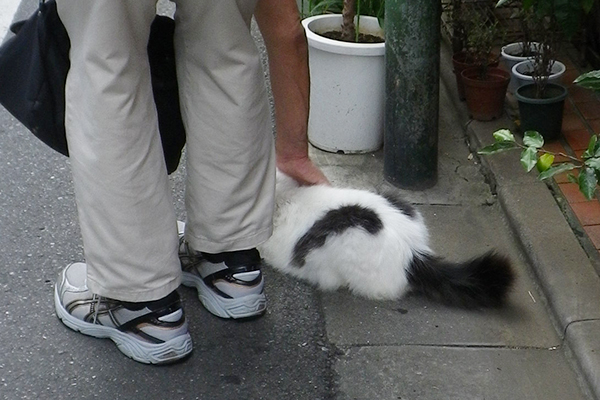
(524, 322)
(446, 373)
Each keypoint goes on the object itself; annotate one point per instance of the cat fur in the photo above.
(376, 245)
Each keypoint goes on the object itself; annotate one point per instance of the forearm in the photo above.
(279, 22)
(290, 85)
(288, 68)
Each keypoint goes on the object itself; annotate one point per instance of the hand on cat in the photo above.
(303, 170)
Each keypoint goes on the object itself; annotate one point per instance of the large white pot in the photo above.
(522, 72)
(347, 87)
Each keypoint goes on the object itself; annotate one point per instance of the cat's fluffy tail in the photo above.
(481, 282)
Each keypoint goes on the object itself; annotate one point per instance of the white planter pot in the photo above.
(347, 87)
(520, 72)
(509, 59)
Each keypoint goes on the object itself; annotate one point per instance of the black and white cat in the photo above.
(376, 245)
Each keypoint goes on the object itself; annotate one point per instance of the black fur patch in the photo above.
(335, 222)
(399, 203)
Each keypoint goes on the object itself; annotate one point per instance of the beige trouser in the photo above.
(122, 190)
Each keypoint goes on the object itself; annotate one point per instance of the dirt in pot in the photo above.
(521, 53)
(362, 37)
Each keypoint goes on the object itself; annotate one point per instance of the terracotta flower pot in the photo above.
(485, 96)
(460, 62)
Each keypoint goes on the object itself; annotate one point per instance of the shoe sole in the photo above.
(147, 353)
(242, 307)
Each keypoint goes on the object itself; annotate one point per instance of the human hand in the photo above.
(303, 170)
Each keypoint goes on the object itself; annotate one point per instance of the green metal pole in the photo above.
(412, 58)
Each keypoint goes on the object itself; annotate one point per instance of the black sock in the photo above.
(234, 258)
(154, 304)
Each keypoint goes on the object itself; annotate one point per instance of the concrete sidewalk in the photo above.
(539, 347)
(313, 345)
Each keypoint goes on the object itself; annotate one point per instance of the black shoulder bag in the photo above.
(33, 70)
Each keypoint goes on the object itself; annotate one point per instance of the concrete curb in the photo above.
(563, 269)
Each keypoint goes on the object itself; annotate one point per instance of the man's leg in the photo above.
(121, 187)
(230, 152)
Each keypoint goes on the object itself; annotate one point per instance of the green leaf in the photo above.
(591, 150)
(533, 139)
(589, 80)
(595, 86)
(498, 147)
(503, 135)
(593, 162)
(587, 183)
(545, 162)
(572, 178)
(559, 169)
(529, 158)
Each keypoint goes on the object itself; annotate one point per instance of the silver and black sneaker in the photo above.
(229, 285)
(153, 332)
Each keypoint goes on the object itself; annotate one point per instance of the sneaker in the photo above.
(152, 333)
(226, 288)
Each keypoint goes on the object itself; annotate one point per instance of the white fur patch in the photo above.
(369, 265)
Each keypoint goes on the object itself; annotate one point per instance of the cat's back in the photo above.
(328, 197)
(323, 205)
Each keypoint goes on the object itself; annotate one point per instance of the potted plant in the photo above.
(347, 77)
(349, 9)
(470, 42)
(541, 102)
(523, 72)
(484, 85)
(513, 53)
(461, 59)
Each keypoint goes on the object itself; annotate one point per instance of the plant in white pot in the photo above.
(349, 9)
(539, 94)
(541, 66)
(347, 77)
(515, 52)
(524, 73)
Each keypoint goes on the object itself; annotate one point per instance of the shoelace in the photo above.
(98, 300)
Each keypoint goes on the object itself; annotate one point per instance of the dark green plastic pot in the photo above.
(544, 115)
